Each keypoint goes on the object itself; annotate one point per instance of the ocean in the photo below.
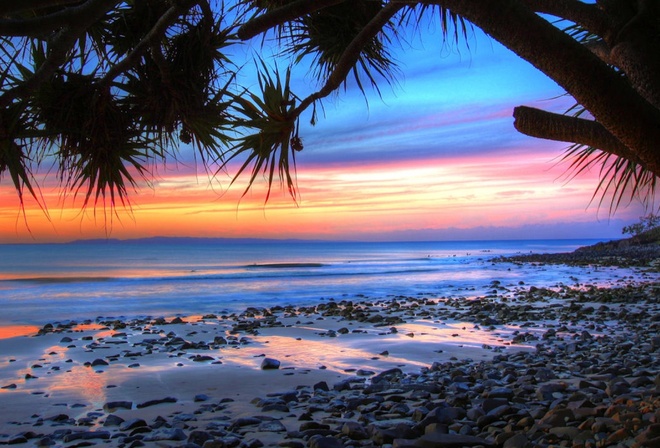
(42, 283)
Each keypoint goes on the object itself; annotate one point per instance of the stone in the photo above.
(199, 437)
(557, 417)
(545, 392)
(113, 420)
(500, 392)
(88, 435)
(322, 385)
(149, 403)
(445, 415)
(272, 426)
(438, 439)
(518, 440)
(270, 364)
(175, 434)
(354, 431)
(324, 442)
(132, 424)
(99, 362)
(113, 405)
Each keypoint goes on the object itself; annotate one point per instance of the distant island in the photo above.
(190, 240)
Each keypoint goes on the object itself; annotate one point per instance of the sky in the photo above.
(436, 158)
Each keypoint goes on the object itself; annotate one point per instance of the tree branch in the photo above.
(41, 25)
(14, 6)
(351, 54)
(564, 128)
(157, 31)
(288, 12)
(89, 13)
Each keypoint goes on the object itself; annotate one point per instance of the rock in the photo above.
(270, 364)
(252, 443)
(557, 417)
(176, 434)
(617, 388)
(354, 431)
(113, 405)
(245, 421)
(15, 440)
(278, 407)
(545, 392)
(99, 362)
(324, 442)
(199, 438)
(132, 424)
(58, 418)
(321, 385)
(105, 435)
(491, 403)
(113, 420)
(272, 426)
(500, 392)
(518, 440)
(387, 375)
(438, 439)
(306, 426)
(443, 415)
(146, 404)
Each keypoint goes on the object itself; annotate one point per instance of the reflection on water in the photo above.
(83, 383)
(313, 353)
(12, 331)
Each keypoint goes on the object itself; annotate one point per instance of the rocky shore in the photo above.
(574, 366)
(639, 251)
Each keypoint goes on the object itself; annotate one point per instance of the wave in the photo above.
(55, 280)
(254, 272)
(285, 265)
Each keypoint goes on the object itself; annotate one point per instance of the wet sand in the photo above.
(200, 378)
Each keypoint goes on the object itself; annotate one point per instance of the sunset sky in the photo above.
(437, 158)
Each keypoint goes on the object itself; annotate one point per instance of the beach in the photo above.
(573, 365)
(528, 351)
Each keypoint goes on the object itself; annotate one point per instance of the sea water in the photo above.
(41, 283)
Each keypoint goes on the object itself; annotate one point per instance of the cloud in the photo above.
(515, 193)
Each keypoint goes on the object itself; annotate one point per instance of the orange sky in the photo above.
(357, 202)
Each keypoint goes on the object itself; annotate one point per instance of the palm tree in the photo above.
(103, 89)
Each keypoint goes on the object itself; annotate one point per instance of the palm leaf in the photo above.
(621, 180)
(271, 128)
(325, 34)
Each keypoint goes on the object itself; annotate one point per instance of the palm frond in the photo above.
(325, 34)
(15, 151)
(621, 180)
(273, 138)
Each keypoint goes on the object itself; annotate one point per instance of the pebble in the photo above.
(582, 390)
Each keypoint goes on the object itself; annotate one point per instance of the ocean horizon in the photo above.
(89, 279)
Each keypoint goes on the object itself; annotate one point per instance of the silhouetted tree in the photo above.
(102, 89)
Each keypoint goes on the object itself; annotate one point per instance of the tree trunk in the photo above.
(608, 97)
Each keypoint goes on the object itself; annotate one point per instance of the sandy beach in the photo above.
(401, 371)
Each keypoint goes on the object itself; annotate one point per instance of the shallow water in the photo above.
(60, 282)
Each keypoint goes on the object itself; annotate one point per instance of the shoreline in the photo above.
(402, 360)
